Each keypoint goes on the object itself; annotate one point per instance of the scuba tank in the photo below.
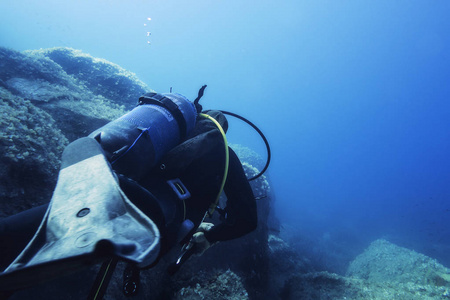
(135, 142)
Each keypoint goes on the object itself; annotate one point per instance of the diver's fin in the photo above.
(89, 217)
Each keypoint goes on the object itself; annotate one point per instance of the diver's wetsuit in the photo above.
(16, 231)
(204, 176)
(199, 163)
(240, 211)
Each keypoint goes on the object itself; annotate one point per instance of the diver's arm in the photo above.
(241, 211)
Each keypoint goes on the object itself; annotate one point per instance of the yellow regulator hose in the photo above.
(227, 159)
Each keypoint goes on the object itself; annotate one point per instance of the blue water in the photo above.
(353, 96)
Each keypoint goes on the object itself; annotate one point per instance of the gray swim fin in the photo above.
(89, 218)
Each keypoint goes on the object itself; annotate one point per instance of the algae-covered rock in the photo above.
(383, 261)
(99, 76)
(248, 155)
(324, 285)
(382, 271)
(66, 73)
(284, 261)
(15, 64)
(321, 285)
(48, 98)
(70, 85)
(224, 285)
(30, 151)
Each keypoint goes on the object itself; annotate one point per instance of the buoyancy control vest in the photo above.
(135, 142)
(204, 139)
(199, 162)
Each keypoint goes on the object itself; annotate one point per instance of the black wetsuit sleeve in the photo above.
(17, 231)
(241, 213)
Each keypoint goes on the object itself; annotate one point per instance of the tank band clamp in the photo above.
(163, 101)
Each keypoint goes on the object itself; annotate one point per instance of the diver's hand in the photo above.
(205, 226)
(199, 241)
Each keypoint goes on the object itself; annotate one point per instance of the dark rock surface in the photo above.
(30, 147)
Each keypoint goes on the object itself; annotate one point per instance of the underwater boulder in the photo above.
(16, 64)
(35, 77)
(382, 271)
(284, 261)
(30, 150)
(317, 285)
(383, 261)
(389, 271)
(101, 77)
(43, 108)
(221, 285)
(79, 91)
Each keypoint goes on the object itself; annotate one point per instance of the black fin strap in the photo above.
(102, 280)
(200, 95)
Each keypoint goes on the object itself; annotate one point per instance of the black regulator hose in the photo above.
(262, 136)
(199, 109)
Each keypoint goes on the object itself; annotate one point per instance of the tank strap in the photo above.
(160, 100)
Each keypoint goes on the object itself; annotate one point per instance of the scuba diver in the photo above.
(132, 190)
